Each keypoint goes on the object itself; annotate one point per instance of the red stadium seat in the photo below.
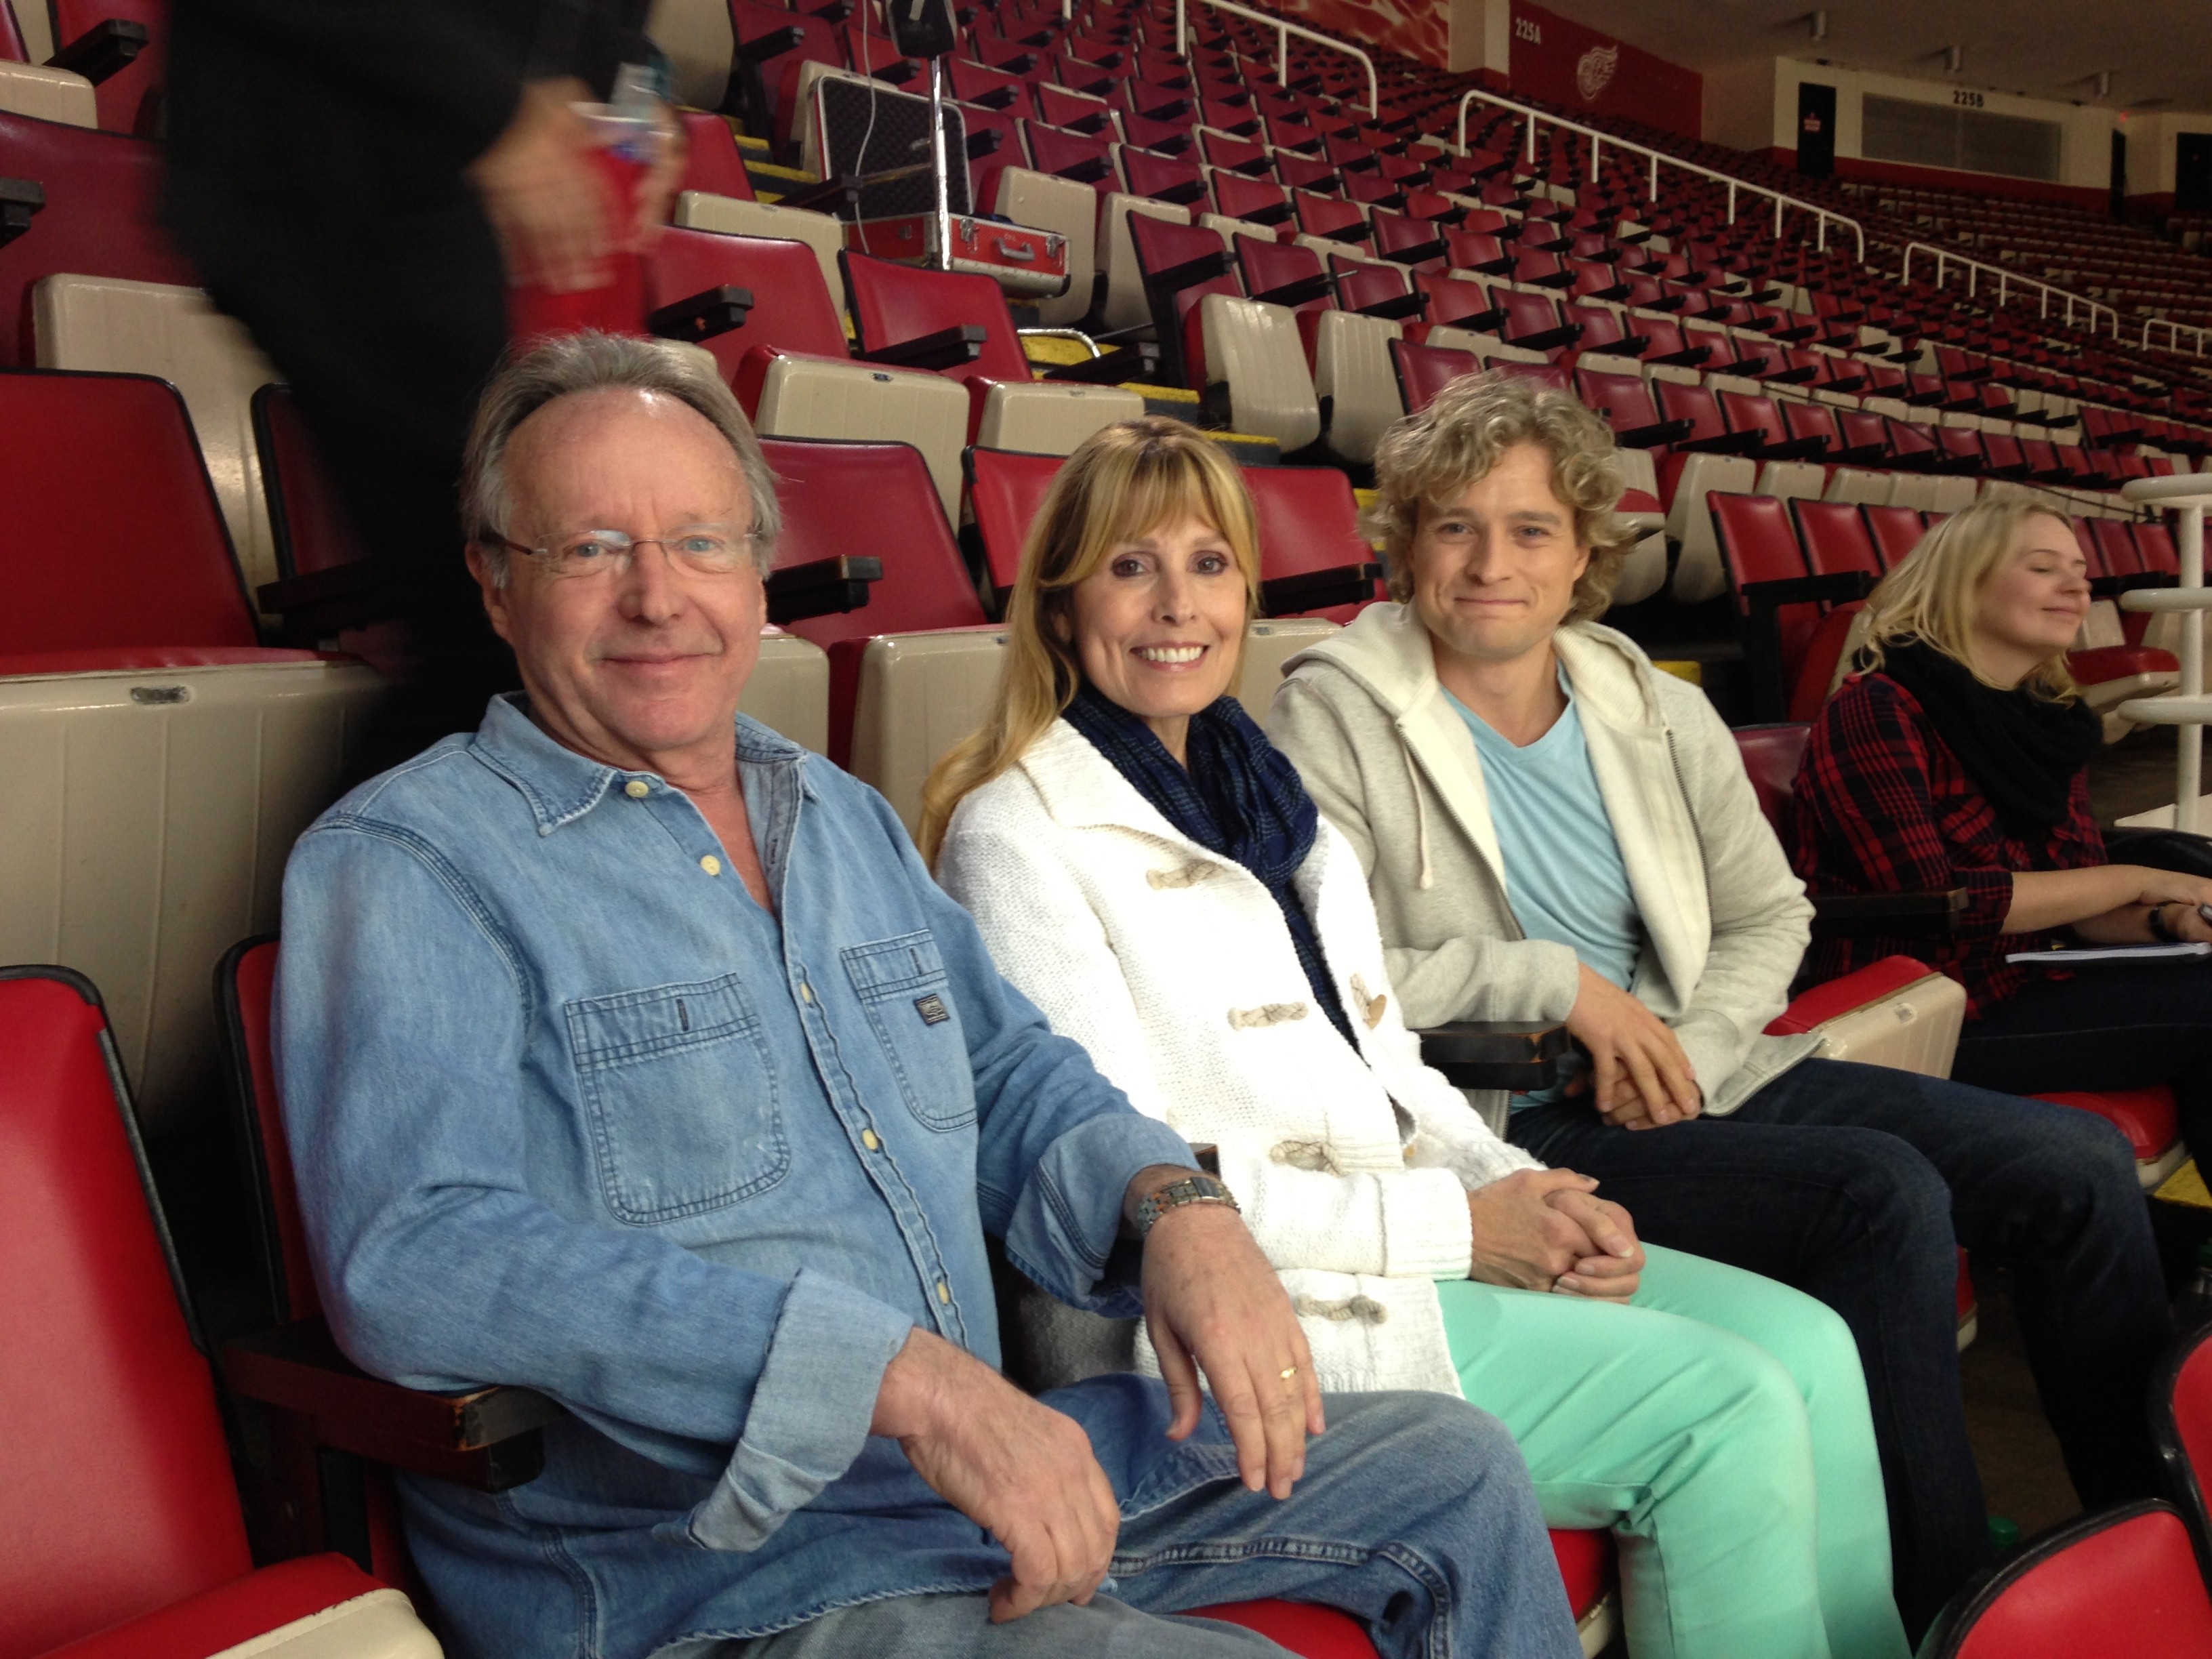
(1313, 559)
(100, 217)
(711, 161)
(1006, 488)
(836, 499)
(2181, 1423)
(1424, 370)
(123, 1522)
(2122, 1581)
(131, 97)
(1896, 532)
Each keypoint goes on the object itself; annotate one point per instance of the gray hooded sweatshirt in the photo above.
(1392, 765)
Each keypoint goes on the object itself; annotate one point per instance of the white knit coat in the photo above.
(1172, 965)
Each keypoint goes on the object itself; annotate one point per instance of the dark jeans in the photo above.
(1850, 1183)
(2107, 1028)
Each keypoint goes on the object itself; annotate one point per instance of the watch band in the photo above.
(2160, 928)
(1187, 1190)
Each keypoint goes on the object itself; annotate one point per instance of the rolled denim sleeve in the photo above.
(401, 1011)
(810, 1411)
(1057, 1144)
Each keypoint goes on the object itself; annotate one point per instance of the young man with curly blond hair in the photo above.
(1554, 830)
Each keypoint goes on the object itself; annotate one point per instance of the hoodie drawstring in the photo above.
(1420, 812)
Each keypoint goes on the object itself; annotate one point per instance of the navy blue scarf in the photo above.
(1241, 798)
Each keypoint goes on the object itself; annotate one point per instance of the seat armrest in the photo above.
(1318, 590)
(485, 1438)
(1516, 1055)
(1933, 913)
(1545, 339)
(1089, 171)
(1651, 437)
(946, 349)
(324, 603)
(1182, 195)
(773, 43)
(821, 587)
(106, 47)
(702, 316)
(1396, 306)
(1720, 443)
(1794, 449)
(988, 141)
(1843, 585)
(1131, 360)
(1316, 287)
(834, 195)
(1418, 253)
(19, 198)
(1190, 272)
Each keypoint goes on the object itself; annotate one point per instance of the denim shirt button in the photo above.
(637, 789)
(711, 864)
(944, 1291)
(872, 1141)
(805, 991)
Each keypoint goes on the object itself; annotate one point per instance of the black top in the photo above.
(347, 110)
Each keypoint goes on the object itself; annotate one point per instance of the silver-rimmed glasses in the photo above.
(710, 549)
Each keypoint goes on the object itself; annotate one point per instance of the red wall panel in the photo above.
(1562, 61)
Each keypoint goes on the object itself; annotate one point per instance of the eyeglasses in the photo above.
(710, 549)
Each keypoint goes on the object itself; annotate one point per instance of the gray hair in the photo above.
(592, 362)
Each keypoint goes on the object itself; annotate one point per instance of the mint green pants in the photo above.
(1718, 1426)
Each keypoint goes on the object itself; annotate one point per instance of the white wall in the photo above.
(2151, 148)
(1752, 106)
(1481, 33)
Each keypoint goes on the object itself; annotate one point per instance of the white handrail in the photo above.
(2174, 331)
(1284, 30)
(2006, 281)
(1657, 158)
(2185, 707)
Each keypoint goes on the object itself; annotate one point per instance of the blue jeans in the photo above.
(2106, 1028)
(1415, 1516)
(1850, 1183)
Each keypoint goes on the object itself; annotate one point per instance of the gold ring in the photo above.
(1287, 1372)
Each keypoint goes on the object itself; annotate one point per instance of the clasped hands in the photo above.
(1639, 1077)
(1026, 1472)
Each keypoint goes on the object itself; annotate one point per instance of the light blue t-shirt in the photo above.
(1564, 874)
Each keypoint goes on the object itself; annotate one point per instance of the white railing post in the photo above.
(1594, 160)
(1282, 55)
(1181, 38)
(2186, 709)
(1530, 126)
(1731, 201)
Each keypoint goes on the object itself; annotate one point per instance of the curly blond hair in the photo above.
(1454, 442)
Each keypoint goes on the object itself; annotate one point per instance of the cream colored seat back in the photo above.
(1254, 350)
(1699, 575)
(47, 94)
(145, 825)
(789, 690)
(821, 397)
(1352, 370)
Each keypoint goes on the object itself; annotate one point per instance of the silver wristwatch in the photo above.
(1188, 1190)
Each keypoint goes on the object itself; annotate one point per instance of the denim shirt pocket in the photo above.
(903, 987)
(681, 1100)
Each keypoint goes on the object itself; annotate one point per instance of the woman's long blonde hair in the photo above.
(1931, 595)
(1124, 482)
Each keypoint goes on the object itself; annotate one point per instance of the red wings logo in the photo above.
(1595, 72)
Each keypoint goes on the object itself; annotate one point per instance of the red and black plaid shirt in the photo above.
(1884, 807)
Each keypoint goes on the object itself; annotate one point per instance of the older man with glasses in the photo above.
(629, 1054)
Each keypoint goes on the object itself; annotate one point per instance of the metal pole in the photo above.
(1777, 218)
(1531, 124)
(1655, 175)
(1181, 24)
(2189, 755)
(1820, 235)
(1282, 55)
(1731, 203)
(1594, 162)
(936, 163)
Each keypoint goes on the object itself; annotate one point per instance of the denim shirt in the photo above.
(570, 1110)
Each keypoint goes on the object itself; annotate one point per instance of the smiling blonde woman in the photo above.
(1150, 871)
